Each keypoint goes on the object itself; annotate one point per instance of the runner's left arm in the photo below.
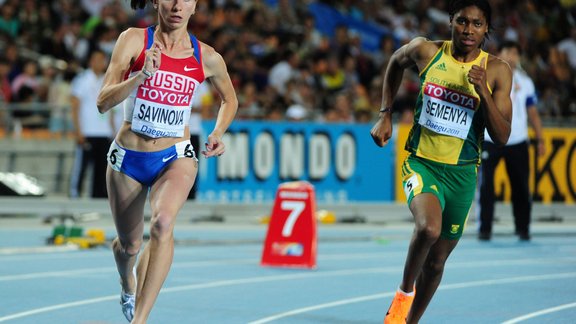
(216, 71)
(497, 105)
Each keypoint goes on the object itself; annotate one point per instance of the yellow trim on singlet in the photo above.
(476, 60)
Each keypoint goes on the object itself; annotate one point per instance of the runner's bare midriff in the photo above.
(138, 142)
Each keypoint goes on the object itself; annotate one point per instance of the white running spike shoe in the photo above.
(128, 301)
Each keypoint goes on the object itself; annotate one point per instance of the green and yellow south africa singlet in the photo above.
(448, 123)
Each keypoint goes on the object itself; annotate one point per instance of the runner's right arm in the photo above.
(114, 88)
(417, 51)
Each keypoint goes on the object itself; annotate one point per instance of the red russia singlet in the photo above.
(161, 106)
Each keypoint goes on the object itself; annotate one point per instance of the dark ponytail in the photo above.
(138, 4)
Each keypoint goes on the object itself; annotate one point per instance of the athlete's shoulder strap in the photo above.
(196, 46)
(149, 40)
(149, 36)
(446, 47)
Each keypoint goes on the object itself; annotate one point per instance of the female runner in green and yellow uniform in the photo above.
(463, 90)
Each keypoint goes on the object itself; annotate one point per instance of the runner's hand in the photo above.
(477, 76)
(153, 58)
(381, 132)
(214, 146)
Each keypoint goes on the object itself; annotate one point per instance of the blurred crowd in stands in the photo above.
(282, 65)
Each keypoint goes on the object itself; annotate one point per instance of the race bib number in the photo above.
(157, 120)
(411, 184)
(162, 105)
(446, 111)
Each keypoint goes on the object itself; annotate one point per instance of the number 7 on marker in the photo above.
(295, 208)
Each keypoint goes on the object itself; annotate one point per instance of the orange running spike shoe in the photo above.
(399, 309)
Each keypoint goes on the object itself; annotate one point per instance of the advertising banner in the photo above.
(553, 175)
(340, 160)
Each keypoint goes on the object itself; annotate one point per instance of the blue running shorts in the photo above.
(145, 167)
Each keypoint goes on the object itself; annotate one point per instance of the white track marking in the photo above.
(252, 280)
(214, 284)
(322, 306)
(57, 307)
(279, 278)
(540, 313)
(52, 274)
(72, 273)
(339, 257)
(39, 249)
(382, 295)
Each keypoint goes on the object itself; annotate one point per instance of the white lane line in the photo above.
(92, 253)
(53, 274)
(540, 313)
(339, 257)
(38, 249)
(193, 264)
(55, 256)
(70, 273)
(57, 307)
(382, 295)
(232, 282)
(213, 284)
(322, 306)
(7, 254)
(52, 255)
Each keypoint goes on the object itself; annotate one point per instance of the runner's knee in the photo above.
(428, 233)
(161, 226)
(130, 248)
